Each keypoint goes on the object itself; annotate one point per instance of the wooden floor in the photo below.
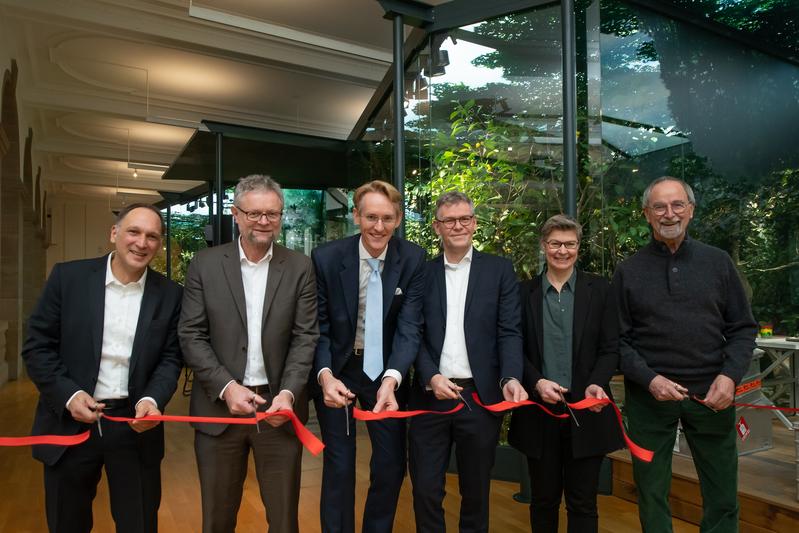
(22, 499)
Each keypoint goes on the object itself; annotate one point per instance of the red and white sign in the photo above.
(743, 428)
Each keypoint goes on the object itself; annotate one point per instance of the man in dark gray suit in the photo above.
(248, 330)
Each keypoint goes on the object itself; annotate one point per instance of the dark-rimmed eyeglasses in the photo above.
(677, 208)
(569, 245)
(255, 216)
(449, 223)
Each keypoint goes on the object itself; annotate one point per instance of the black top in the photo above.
(683, 315)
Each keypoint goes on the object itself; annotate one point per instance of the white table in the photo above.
(781, 351)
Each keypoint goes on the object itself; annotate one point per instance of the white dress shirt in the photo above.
(254, 277)
(120, 318)
(454, 362)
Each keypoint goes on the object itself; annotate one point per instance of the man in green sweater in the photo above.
(686, 333)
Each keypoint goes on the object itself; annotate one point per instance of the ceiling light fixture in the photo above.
(155, 167)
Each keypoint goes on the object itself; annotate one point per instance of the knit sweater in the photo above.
(684, 316)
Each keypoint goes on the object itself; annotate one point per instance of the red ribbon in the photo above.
(369, 416)
(637, 451)
(55, 440)
(308, 439)
(769, 407)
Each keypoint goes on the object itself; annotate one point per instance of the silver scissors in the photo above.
(469, 407)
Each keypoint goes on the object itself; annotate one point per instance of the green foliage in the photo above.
(512, 199)
(187, 236)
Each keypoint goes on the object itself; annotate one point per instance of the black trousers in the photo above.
(134, 487)
(556, 474)
(475, 434)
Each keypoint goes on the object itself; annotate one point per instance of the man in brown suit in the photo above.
(248, 330)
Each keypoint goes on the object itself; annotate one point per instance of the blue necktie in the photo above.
(373, 323)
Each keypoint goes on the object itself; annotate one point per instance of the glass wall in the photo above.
(655, 96)
(679, 100)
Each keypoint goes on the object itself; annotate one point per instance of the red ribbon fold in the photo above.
(635, 450)
(308, 439)
(369, 416)
(55, 440)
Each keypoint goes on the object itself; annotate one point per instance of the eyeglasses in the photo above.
(449, 223)
(388, 220)
(677, 208)
(255, 216)
(569, 245)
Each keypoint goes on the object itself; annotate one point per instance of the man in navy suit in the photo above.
(472, 343)
(369, 289)
(103, 339)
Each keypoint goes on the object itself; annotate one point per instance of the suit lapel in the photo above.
(350, 268)
(390, 274)
(149, 302)
(475, 271)
(97, 300)
(231, 266)
(582, 302)
(276, 267)
(440, 279)
(534, 303)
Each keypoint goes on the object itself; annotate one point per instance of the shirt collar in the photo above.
(466, 259)
(663, 249)
(545, 284)
(243, 256)
(111, 278)
(363, 254)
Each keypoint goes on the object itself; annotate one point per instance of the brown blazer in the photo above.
(213, 327)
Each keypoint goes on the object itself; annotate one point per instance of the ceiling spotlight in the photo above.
(135, 173)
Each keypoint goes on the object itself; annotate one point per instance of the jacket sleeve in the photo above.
(41, 350)
(409, 321)
(164, 379)
(304, 335)
(607, 357)
(509, 327)
(195, 339)
(740, 328)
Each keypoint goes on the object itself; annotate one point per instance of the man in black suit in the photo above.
(570, 334)
(472, 343)
(103, 339)
(369, 288)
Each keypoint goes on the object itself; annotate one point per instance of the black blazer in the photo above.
(65, 336)
(492, 324)
(337, 267)
(595, 356)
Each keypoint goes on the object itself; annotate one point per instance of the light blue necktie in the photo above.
(373, 323)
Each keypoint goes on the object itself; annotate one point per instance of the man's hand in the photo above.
(443, 388)
(549, 391)
(336, 394)
(240, 400)
(143, 408)
(281, 402)
(665, 390)
(721, 393)
(386, 401)
(595, 391)
(513, 391)
(84, 408)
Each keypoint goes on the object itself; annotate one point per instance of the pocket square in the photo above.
(397, 292)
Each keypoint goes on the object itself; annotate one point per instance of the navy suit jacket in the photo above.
(492, 324)
(337, 267)
(595, 356)
(65, 336)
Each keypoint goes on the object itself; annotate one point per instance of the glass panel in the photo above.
(678, 100)
(489, 124)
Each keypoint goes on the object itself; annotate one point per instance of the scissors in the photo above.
(563, 399)
(469, 407)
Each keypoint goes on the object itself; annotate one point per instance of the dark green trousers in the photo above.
(712, 439)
